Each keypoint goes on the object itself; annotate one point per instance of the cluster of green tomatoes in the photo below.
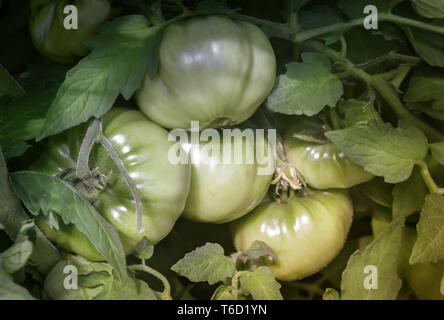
(216, 71)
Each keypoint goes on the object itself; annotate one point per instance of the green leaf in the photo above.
(355, 9)
(426, 85)
(16, 256)
(9, 87)
(433, 9)
(428, 45)
(50, 194)
(437, 150)
(11, 291)
(409, 195)
(260, 284)
(381, 149)
(258, 253)
(206, 263)
(331, 294)
(378, 191)
(357, 112)
(12, 218)
(382, 254)
(381, 219)
(144, 249)
(429, 247)
(222, 293)
(42, 75)
(123, 51)
(319, 16)
(306, 88)
(22, 120)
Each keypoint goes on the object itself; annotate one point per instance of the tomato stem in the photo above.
(82, 168)
(384, 88)
(428, 179)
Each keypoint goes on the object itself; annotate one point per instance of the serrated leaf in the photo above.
(357, 112)
(306, 88)
(381, 149)
(260, 284)
(382, 253)
(429, 247)
(144, 249)
(50, 194)
(433, 9)
(437, 150)
(331, 294)
(10, 290)
(409, 195)
(123, 51)
(206, 263)
(222, 293)
(258, 252)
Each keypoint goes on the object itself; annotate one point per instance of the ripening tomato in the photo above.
(323, 165)
(211, 69)
(306, 232)
(143, 147)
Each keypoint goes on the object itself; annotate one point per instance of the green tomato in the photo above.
(56, 42)
(221, 192)
(323, 165)
(143, 147)
(212, 70)
(306, 232)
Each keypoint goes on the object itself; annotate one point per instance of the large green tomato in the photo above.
(221, 192)
(323, 165)
(143, 147)
(306, 232)
(212, 70)
(51, 38)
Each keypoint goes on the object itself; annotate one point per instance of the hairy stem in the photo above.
(82, 168)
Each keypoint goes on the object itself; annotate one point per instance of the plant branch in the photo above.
(428, 179)
(82, 168)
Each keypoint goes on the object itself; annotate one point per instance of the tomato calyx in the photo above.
(286, 176)
(89, 186)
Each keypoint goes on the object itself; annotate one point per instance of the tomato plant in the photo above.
(345, 202)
